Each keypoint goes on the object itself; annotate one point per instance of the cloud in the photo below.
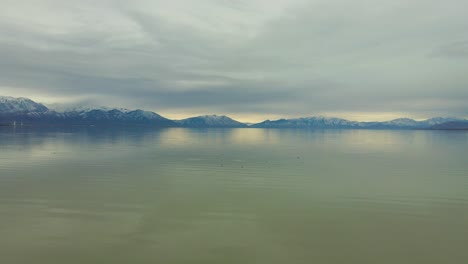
(240, 57)
(456, 50)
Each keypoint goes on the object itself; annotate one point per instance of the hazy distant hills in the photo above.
(454, 125)
(28, 112)
(210, 121)
(310, 122)
(337, 123)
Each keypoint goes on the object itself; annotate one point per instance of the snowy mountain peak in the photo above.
(309, 122)
(215, 117)
(403, 122)
(27, 111)
(210, 121)
(20, 105)
(30, 112)
(441, 120)
(64, 108)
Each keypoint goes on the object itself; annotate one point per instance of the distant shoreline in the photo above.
(117, 126)
(25, 112)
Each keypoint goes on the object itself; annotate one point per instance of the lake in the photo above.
(145, 195)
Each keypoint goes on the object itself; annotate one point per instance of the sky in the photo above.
(249, 59)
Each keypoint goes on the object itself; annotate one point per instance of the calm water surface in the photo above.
(90, 195)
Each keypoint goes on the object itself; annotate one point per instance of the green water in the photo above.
(134, 195)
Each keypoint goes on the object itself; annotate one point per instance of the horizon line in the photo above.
(348, 116)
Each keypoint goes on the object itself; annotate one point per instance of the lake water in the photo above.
(134, 195)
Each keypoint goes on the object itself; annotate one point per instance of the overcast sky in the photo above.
(250, 59)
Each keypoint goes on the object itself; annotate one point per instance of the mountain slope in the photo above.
(452, 125)
(337, 123)
(20, 105)
(26, 111)
(210, 121)
(308, 122)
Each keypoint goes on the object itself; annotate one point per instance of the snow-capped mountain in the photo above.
(331, 123)
(115, 115)
(407, 123)
(452, 125)
(23, 110)
(29, 112)
(440, 120)
(64, 108)
(402, 122)
(210, 121)
(20, 105)
(308, 122)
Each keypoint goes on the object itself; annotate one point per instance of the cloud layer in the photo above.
(242, 58)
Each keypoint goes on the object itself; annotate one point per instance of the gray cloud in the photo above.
(454, 50)
(290, 58)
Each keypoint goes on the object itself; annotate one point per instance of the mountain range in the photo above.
(338, 123)
(27, 112)
(210, 121)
